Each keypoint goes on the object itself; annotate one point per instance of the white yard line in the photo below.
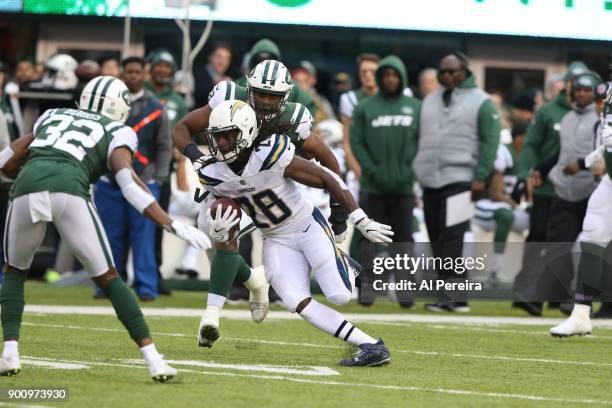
(471, 393)
(281, 315)
(265, 368)
(313, 345)
(11, 404)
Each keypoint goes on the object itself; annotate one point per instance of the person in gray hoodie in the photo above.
(573, 186)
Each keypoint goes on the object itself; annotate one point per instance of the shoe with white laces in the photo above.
(578, 324)
(10, 365)
(160, 371)
(208, 332)
(259, 301)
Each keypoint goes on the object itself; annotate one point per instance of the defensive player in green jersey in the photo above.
(69, 150)
(267, 92)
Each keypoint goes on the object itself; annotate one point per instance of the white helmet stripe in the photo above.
(95, 94)
(103, 94)
(90, 105)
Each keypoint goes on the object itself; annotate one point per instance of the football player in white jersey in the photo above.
(297, 238)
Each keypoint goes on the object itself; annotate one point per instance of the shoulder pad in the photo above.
(301, 119)
(274, 153)
(209, 175)
(223, 91)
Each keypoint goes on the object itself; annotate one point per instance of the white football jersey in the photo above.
(273, 202)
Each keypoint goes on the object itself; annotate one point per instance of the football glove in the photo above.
(372, 230)
(193, 236)
(222, 223)
(337, 219)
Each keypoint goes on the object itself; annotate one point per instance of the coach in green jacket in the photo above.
(458, 139)
(383, 138)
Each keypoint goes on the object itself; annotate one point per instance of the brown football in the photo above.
(225, 202)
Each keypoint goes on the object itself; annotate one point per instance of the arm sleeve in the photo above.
(529, 152)
(358, 145)
(164, 149)
(489, 130)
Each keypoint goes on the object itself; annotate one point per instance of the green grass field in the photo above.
(287, 363)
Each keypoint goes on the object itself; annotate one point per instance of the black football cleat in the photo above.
(369, 355)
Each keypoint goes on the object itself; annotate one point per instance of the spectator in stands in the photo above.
(458, 140)
(384, 134)
(367, 64)
(110, 66)
(24, 73)
(524, 108)
(305, 76)
(340, 83)
(152, 164)
(428, 82)
(541, 143)
(215, 71)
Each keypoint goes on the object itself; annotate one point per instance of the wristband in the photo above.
(192, 152)
(357, 215)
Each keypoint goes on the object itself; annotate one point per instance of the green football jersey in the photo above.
(294, 121)
(70, 151)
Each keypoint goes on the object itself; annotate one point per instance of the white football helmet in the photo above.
(107, 96)
(269, 77)
(331, 132)
(59, 72)
(227, 116)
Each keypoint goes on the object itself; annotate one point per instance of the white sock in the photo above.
(190, 258)
(215, 300)
(10, 349)
(331, 322)
(580, 311)
(150, 353)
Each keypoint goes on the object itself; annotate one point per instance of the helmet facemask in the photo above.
(266, 104)
(225, 143)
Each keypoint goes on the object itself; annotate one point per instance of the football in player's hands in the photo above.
(221, 205)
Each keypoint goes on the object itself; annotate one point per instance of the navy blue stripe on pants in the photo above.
(126, 228)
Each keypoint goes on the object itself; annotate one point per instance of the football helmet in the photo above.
(59, 72)
(107, 96)
(331, 132)
(268, 88)
(231, 115)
